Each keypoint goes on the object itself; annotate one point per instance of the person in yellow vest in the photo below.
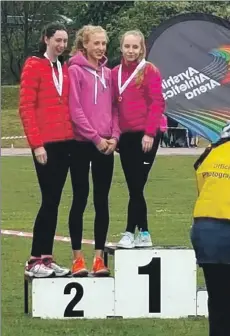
(210, 233)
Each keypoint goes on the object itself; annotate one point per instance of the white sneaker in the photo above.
(57, 269)
(38, 270)
(127, 241)
(143, 239)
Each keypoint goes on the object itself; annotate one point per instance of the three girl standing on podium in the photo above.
(132, 123)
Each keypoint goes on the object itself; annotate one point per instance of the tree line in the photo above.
(22, 22)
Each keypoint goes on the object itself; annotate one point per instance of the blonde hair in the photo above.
(140, 75)
(83, 35)
(142, 41)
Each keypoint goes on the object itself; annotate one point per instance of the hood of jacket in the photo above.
(98, 72)
(80, 60)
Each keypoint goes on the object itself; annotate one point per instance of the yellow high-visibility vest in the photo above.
(213, 182)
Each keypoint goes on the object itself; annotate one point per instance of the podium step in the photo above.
(59, 298)
(202, 302)
(157, 282)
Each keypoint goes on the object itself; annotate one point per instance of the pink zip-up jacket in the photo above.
(90, 102)
(142, 106)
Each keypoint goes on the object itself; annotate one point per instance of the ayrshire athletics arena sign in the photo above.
(192, 52)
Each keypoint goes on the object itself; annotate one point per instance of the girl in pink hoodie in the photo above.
(140, 105)
(97, 133)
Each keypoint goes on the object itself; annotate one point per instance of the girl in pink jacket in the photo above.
(140, 105)
(97, 133)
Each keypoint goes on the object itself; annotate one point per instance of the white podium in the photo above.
(159, 282)
(73, 298)
(155, 283)
(202, 302)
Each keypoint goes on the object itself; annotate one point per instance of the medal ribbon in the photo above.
(122, 88)
(58, 83)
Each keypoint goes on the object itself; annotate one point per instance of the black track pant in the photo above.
(136, 166)
(51, 177)
(102, 171)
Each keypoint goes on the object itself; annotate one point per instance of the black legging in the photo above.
(136, 166)
(217, 279)
(75, 156)
(102, 171)
(51, 178)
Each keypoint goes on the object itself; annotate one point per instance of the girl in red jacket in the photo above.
(44, 112)
(140, 104)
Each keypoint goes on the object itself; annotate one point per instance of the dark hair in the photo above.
(49, 30)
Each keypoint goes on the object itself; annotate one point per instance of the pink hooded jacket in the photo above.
(90, 100)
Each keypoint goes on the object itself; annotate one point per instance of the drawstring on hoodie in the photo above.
(96, 76)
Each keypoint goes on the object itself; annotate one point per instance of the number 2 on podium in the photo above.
(69, 312)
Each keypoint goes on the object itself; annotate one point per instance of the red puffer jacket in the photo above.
(44, 114)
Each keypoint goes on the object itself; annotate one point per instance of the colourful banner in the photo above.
(192, 52)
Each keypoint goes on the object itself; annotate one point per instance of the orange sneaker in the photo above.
(78, 268)
(99, 268)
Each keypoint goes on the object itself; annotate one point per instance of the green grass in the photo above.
(10, 96)
(10, 121)
(170, 194)
(12, 126)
